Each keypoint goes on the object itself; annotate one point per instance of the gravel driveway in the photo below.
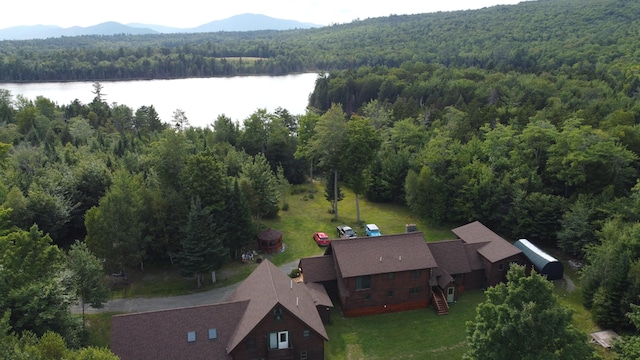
(170, 302)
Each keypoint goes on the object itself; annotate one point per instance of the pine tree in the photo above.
(202, 247)
(236, 220)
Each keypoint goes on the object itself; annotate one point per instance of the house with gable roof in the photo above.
(377, 274)
(267, 317)
(495, 253)
(401, 272)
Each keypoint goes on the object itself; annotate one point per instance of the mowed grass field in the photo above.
(418, 334)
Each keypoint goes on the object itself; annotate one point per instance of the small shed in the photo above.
(270, 241)
(604, 338)
(544, 263)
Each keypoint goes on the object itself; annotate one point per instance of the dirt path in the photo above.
(570, 286)
(171, 302)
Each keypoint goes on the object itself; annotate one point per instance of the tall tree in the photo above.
(202, 246)
(235, 220)
(87, 276)
(306, 131)
(204, 177)
(328, 143)
(260, 187)
(523, 320)
(180, 120)
(361, 144)
(115, 227)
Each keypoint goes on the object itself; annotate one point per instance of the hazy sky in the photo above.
(192, 13)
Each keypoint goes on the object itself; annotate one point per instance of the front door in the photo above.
(283, 340)
(451, 291)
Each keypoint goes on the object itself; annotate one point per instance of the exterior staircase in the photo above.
(440, 302)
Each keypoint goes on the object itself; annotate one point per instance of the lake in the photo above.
(202, 99)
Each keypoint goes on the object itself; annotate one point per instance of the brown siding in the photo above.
(495, 275)
(313, 345)
(379, 300)
(474, 280)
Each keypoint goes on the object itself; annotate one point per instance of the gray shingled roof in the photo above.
(318, 268)
(496, 248)
(267, 287)
(163, 334)
(382, 254)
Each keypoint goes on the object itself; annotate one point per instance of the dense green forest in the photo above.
(582, 36)
(523, 117)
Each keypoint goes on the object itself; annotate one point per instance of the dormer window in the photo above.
(191, 336)
(213, 334)
(278, 314)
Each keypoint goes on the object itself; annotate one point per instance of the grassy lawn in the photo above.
(304, 217)
(417, 334)
(99, 328)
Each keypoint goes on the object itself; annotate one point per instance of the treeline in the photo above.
(135, 190)
(551, 157)
(578, 37)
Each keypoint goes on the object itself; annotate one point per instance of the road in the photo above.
(132, 305)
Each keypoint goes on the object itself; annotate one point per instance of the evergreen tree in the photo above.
(202, 247)
(235, 220)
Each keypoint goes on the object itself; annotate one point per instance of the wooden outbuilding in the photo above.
(270, 241)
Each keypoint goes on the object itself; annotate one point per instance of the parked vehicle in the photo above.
(372, 230)
(321, 239)
(345, 231)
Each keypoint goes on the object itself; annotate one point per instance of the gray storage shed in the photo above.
(544, 263)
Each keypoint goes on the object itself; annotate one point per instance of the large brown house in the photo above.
(268, 317)
(400, 272)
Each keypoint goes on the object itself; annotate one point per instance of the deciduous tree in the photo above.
(523, 320)
(328, 143)
(87, 276)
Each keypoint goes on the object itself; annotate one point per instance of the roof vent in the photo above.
(297, 301)
(291, 286)
(400, 258)
(380, 258)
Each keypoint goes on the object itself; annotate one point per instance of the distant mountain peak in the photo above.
(241, 22)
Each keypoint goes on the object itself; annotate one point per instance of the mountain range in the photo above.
(244, 22)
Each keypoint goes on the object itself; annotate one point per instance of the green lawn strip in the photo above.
(99, 328)
(572, 300)
(417, 334)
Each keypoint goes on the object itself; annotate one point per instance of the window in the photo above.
(500, 267)
(213, 334)
(414, 290)
(363, 282)
(367, 297)
(278, 314)
(303, 355)
(250, 343)
(390, 276)
(390, 293)
(306, 334)
(191, 336)
(415, 273)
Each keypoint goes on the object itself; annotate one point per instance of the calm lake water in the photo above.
(202, 99)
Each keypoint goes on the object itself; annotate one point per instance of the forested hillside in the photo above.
(524, 117)
(531, 37)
